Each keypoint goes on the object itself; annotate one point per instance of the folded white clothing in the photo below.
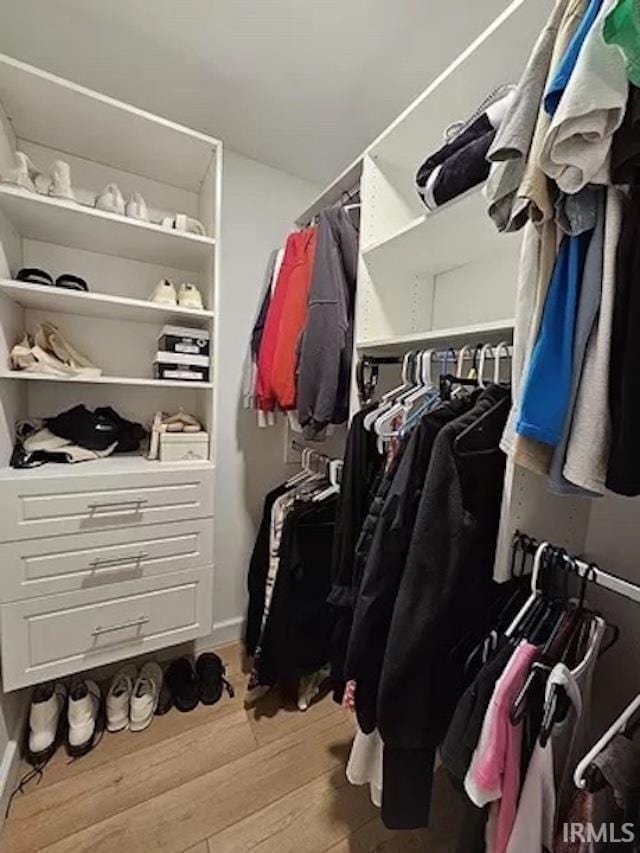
(576, 149)
(46, 441)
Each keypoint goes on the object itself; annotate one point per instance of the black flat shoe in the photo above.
(211, 673)
(183, 683)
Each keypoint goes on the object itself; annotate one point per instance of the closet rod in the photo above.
(591, 571)
(438, 355)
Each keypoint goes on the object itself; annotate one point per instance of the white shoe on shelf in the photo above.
(136, 208)
(145, 696)
(45, 720)
(189, 296)
(82, 716)
(60, 185)
(164, 293)
(189, 224)
(111, 200)
(180, 422)
(23, 175)
(118, 700)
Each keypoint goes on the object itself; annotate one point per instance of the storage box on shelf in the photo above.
(109, 558)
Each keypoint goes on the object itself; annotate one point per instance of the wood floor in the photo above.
(220, 779)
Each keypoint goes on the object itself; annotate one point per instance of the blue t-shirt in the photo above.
(546, 390)
(568, 60)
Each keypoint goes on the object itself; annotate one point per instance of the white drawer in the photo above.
(44, 638)
(36, 506)
(36, 567)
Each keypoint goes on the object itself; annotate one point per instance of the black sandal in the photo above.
(71, 282)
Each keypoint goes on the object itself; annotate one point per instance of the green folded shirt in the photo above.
(622, 27)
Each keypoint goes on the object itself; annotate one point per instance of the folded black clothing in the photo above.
(465, 169)
(97, 430)
(130, 432)
(479, 127)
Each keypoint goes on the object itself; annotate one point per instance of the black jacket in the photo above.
(386, 561)
(446, 580)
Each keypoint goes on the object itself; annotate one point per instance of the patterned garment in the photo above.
(349, 697)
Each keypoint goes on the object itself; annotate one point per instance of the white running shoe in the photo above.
(164, 293)
(119, 698)
(45, 719)
(136, 208)
(189, 296)
(24, 175)
(111, 200)
(189, 224)
(82, 716)
(145, 696)
(60, 186)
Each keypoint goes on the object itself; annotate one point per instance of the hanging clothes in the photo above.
(324, 370)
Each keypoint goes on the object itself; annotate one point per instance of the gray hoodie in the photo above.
(324, 366)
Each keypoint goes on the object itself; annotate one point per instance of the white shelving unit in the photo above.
(56, 517)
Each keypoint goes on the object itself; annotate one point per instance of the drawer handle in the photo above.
(134, 623)
(101, 562)
(135, 502)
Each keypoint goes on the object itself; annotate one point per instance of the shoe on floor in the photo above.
(183, 683)
(145, 696)
(136, 208)
(211, 675)
(111, 200)
(83, 711)
(118, 699)
(60, 186)
(189, 296)
(23, 175)
(164, 293)
(46, 721)
(165, 702)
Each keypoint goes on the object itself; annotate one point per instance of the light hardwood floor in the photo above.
(220, 779)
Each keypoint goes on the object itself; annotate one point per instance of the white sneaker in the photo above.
(24, 175)
(60, 186)
(82, 716)
(145, 696)
(189, 296)
(45, 718)
(189, 224)
(119, 698)
(137, 208)
(164, 293)
(111, 200)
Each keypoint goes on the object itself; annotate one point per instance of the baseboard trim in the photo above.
(9, 767)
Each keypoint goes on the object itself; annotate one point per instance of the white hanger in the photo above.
(619, 726)
(386, 401)
(487, 348)
(335, 469)
(503, 346)
(464, 350)
(535, 592)
(426, 383)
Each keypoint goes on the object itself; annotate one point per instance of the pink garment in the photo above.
(494, 774)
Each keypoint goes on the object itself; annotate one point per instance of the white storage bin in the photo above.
(184, 446)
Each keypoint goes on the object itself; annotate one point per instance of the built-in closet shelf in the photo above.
(50, 111)
(68, 223)
(120, 463)
(45, 298)
(21, 375)
(490, 333)
(451, 236)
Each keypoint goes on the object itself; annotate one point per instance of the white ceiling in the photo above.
(303, 86)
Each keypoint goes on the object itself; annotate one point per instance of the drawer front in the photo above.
(36, 567)
(49, 637)
(51, 506)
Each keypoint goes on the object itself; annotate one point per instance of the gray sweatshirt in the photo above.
(325, 351)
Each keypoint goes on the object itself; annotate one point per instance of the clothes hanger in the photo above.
(399, 406)
(618, 727)
(503, 347)
(304, 473)
(386, 401)
(486, 350)
(535, 592)
(334, 474)
(465, 350)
